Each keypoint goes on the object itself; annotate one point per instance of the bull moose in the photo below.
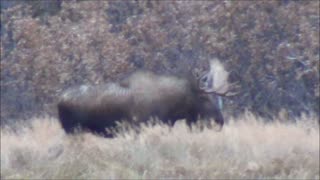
(144, 95)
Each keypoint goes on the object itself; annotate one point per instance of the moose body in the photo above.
(141, 96)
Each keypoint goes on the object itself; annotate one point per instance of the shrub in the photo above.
(270, 47)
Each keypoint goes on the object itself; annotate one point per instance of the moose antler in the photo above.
(216, 80)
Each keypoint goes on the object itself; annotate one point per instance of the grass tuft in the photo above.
(245, 148)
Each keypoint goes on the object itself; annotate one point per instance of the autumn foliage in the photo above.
(270, 47)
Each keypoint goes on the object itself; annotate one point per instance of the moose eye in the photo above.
(204, 79)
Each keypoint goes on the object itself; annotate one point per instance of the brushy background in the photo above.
(270, 47)
(246, 148)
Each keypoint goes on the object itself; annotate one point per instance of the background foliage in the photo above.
(270, 47)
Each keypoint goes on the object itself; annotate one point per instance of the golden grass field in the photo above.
(245, 148)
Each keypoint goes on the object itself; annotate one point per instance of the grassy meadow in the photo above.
(245, 148)
(270, 48)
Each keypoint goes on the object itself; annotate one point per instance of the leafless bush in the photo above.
(271, 47)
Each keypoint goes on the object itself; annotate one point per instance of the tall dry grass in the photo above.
(245, 148)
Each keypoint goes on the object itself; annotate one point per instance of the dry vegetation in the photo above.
(270, 47)
(245, 148)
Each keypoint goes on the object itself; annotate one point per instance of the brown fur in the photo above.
(137, 98)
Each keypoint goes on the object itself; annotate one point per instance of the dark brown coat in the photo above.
(141, 96)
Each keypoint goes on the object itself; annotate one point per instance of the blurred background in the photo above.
(270, 47)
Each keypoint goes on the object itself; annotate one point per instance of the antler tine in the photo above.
(230, 90)
(216, 81)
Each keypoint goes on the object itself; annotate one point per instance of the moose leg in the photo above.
(67, 120)
(218, 118)
(191, 118)
(209, 113)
